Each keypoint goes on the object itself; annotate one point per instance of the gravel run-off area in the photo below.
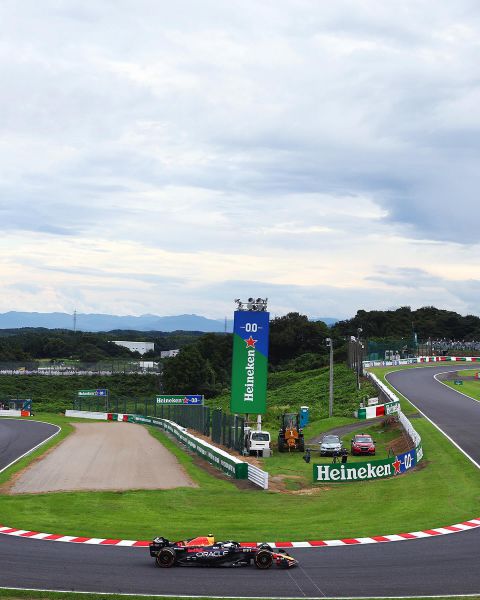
(103, 456)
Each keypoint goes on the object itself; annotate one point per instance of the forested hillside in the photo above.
(56, 394)
(426, 322)
(38, 343)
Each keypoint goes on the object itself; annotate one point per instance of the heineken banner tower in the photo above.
(250, 357)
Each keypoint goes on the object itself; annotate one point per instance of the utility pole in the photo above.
(329, 342)
(359, 356)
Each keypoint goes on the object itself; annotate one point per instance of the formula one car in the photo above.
(205, 551)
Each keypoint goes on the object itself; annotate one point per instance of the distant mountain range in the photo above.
(101, 322)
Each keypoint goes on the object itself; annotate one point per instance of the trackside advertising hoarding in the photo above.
(377, 410)
(90, 393)
(249, 362)
(223, 461)
(195, 400)
(375, 469)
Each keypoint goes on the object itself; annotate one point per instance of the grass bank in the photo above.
(442, 491)
(469, 388)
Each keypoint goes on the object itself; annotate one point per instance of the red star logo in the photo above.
(396, 465)
(185, 400)
(251, 342)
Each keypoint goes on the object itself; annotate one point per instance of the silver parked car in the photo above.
(330, 445)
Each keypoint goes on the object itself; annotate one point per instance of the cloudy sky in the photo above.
(168, 157)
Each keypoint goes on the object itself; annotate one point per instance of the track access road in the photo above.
(435, 565)
(18, 437)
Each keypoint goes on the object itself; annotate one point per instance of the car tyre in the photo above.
(263, 559)
(165, 558)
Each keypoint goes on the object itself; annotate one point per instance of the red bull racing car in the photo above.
(205, 551)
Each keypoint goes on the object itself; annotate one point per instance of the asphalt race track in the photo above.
(434, 565)
(17, 437)
(437, 401)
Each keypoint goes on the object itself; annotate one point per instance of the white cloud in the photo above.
(153, 154)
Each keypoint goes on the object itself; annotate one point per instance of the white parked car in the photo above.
(330, 445)
(257, 442)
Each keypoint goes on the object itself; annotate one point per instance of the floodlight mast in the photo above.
(259, 305)
(252, 304)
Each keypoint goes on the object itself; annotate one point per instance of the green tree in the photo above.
(187, 373)
(294, 335)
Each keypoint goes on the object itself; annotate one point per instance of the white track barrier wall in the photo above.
(10, 413)
(258, 476)
(84, 414)
(414, 435)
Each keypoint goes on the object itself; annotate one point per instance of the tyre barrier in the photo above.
(15, 413)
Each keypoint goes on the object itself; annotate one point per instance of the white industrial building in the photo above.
(141, 347)
(169, 353)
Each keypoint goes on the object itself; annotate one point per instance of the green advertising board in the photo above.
(374, 469)
(249, 362)
(92, 393)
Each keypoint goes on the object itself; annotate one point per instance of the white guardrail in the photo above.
(257, 476)
(414, 435)
(85, 414)
(10, 413)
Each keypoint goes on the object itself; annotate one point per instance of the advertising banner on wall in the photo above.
(361, 471)
(195, 400)
(249, 362)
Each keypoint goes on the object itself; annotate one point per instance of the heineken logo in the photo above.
(251, 342)
(344, 473)
(250, 372)
(368, 470)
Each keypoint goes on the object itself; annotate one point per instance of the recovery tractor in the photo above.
(290, 435)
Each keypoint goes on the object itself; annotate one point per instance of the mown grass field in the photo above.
(470, 388)
(443, 490)
(297, 474)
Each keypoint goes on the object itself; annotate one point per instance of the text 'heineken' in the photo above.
(250, 362)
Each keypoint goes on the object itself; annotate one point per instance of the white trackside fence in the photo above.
(258, 476)
(387, 392)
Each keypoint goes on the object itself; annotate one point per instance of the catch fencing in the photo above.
(222, 428)
(228, 430)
